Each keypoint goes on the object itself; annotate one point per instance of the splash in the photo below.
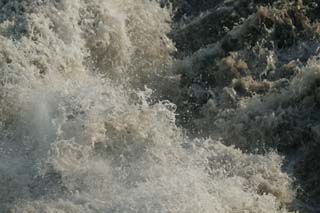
(81, 132)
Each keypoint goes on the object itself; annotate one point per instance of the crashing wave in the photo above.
(80, 130)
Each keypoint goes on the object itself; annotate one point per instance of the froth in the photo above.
(78, 132)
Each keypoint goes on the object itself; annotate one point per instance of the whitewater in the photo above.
(85, 127)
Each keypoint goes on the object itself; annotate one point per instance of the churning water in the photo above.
(83, 129)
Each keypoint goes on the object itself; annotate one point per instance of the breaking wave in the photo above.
(85, 125)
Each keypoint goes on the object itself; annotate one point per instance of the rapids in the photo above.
(85, 127)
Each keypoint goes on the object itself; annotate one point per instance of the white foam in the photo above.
(77, 134)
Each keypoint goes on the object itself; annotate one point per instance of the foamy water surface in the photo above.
(80, 130)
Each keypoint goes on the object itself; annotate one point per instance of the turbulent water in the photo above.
(85, 127)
